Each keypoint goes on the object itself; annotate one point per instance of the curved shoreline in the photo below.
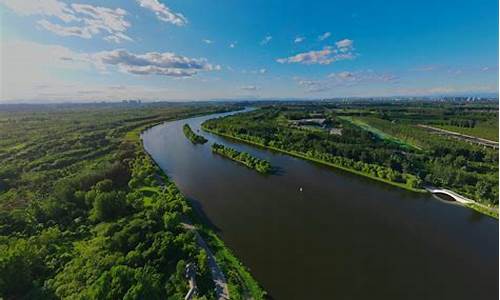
(476, 206)
(224, 256)
(244, 220)
(301, 155)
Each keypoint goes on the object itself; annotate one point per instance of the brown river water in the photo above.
(342, 237)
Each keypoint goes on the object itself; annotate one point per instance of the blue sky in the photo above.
(56, 50)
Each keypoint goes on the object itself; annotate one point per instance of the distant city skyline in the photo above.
(55, 50)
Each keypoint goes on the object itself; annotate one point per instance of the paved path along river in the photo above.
(220, 282)
(342, 237)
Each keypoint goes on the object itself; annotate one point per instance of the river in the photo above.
(342, 237)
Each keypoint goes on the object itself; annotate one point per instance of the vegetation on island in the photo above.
(193, 137)
(378, 140)
(260, 165)
(86, 214)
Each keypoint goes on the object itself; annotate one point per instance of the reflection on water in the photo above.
(444, 197)
(342, 237)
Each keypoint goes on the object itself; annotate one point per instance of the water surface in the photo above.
(342, 237)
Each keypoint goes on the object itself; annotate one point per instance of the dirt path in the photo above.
(191, 275)
(464, 137)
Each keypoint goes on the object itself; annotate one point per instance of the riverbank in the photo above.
(240, 282)
(479, 207)
(491, 212)
(304, 156)
(268, 222)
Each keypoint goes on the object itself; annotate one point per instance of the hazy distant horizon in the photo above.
(485, 96)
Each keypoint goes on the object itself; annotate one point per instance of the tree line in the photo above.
(260, 165)
(467, 169)
(193, 137)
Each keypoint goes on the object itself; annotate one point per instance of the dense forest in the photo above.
(260, 165)
(379, 140)
(193, 137)
(86, 214)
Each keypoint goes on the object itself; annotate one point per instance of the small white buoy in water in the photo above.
(300, 189)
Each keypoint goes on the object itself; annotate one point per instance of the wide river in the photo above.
(342, 237)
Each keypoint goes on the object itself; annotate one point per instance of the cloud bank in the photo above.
(345, 79)
(85, 20)
(324, 36)
(153, 63)
(343, 50)
(80, 20)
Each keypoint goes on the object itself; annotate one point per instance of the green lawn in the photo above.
(152, 189)
(379, 133)
(148, 193)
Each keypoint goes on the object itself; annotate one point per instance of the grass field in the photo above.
(379, 133)
(483, 130)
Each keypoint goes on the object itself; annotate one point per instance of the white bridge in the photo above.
(455, 196)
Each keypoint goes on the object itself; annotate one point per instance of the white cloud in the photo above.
(311, 57)
(38, 71)
(80, 20)
(153, 63)
(324, 36)
(233, 44)
(104, 19)
(322, 57)
(342, 75)
(65, 30)
(325, 56)
(50, 8)
(312, 86)
(249, 88)
(118, 38)
(490, 69)
(344, 45)
(368, 76)
(207, 41)
(345, 79)
(261, 71)
(163, 13)
(266, 40)
(299, 39)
